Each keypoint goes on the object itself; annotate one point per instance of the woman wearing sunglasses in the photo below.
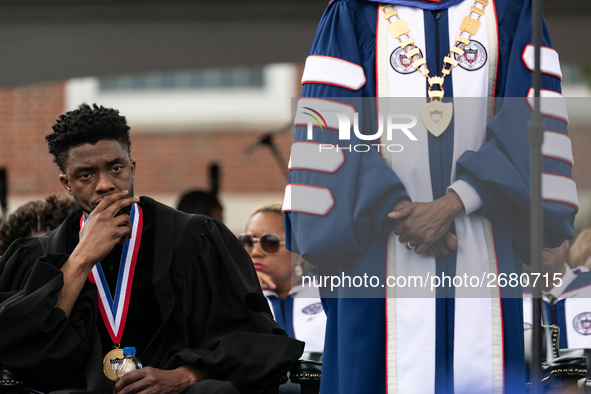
(296, 309)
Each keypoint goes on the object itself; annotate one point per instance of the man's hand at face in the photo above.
(104, 228)
(423, 224)
(157, 381)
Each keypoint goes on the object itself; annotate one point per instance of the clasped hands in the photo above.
(424, 227)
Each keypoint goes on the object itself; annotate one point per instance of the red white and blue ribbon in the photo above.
(114, 310)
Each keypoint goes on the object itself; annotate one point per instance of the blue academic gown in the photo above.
(350, 232)
(301, 315)
(567, 306)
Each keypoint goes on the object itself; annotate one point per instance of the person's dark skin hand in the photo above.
(104, 224)
(426, 225)
(399, 205)
(150, 380)
(443, 246)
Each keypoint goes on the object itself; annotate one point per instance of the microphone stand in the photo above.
(267, 139)
(536, 138)
(3, 194)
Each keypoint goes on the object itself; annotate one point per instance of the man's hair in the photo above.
(86, 125)
(35, 217)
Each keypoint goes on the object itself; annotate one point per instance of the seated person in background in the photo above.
(34, 219)
(202, 203)
(296, 307)
(567, 300)
(195, 312)
(579, 255)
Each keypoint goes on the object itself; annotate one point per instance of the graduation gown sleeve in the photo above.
(350, 200)
(499, 170)
(361, 190)
(227, 327)
(35, 337)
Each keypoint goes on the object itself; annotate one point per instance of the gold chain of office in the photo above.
(399, 30)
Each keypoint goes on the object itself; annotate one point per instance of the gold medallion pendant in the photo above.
(111, 361)
(436, 116)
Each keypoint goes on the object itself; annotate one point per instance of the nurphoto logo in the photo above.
(395, 126)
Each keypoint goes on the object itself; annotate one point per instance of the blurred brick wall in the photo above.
(26, 114)
(173, 162)
(581, 142)
(168, 162)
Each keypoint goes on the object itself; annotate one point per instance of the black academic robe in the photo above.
(214, 314)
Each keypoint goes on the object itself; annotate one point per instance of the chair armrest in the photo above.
(10, 378)
(307, 372)
(10, 382)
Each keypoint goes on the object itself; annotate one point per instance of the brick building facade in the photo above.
(173, 161)
(168, 163)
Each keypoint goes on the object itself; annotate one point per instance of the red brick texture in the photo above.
(168, 162)
(581, 142)
(26, 114)
(173, 162)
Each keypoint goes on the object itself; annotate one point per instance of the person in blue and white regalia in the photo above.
(454, 202)
(296, 308)
(567, 293)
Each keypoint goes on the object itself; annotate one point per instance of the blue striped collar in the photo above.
(426, 5)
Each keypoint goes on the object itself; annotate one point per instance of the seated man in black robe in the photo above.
(178, 287)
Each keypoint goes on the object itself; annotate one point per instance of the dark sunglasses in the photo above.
(269, 243)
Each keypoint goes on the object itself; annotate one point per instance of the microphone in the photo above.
(267, 139)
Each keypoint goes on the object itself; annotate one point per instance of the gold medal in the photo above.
(436, 116)
(111, 361)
